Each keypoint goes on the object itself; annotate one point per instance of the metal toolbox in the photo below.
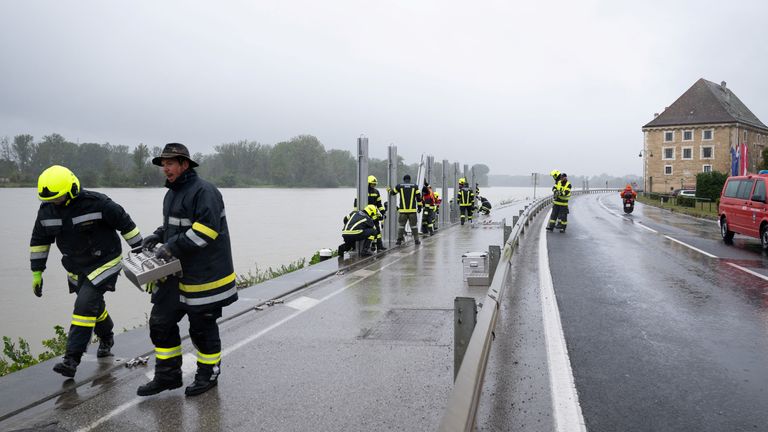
(475, 265)
(142, 267)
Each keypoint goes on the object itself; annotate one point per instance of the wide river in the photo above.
(268, 228)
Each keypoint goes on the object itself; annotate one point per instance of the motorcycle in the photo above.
(629, 203)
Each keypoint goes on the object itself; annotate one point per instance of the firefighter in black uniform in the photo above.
(374, 198)
(83, 224)
(195, 231)
(359, 225)
(410, 204)
(562, 194)
(466, 201)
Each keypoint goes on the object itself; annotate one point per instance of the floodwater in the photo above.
(268, 228)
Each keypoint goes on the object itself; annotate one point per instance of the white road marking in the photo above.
(637, 223)
(122, 408)
(302, 303)
(690, 247)
(753, 273)
(565, 399)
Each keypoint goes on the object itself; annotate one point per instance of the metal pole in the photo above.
(444, 211)
(430, 169)
(455, 204)
(535, 183)
(362, 178)
(390, 231)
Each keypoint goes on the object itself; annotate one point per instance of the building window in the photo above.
(706, 134)
(669, 136)
(706, 168)
(688, 135)
(687, 153)
(667, 169)
(707, 152)
(668, 153)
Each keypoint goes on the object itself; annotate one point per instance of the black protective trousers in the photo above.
(164, 319)
(89, 316)
(558, 216)
(466, 212)
(351, 239)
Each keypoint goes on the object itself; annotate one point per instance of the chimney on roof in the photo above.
(655, 115)
(722, 84)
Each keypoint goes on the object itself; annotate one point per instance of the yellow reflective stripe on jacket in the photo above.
(166, 353)
(131, 234)
(210, 359)
(83, 321)
(105, 271)
(197, 226)
(103, 316)
(352, 230)
(39, 252)
(207, 286)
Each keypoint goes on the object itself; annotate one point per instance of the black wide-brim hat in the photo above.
(174, 150)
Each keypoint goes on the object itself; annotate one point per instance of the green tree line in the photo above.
(302, 161)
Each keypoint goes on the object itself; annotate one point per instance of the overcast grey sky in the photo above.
(521, 86)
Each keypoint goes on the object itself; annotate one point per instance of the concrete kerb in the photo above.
(39, 384)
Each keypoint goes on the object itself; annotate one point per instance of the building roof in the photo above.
(706, 102)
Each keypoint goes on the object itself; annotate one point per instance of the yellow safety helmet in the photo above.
(462, 180)
(437, 194)
(555, 174)
(372, 180)
(56, 182)
(371, 210)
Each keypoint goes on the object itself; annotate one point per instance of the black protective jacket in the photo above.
(410, 197)
(84, 231)
(196, 232)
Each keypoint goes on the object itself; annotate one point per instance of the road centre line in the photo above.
(567, 413)
(135, 401)
(691, 247)
(753, 273)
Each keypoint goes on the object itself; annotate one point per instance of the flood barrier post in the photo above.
(445, 212)
(390, 231)
(362, 178)
(464, 320)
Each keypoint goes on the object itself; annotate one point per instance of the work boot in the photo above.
(462, 221)
(67, 367)
(206, 378)
(399, 242)
(417, 242)
(156, 386)
(366, 250)
(341, 250)
(562, 230)
(550, 228)
(380, 245)
(105, 347)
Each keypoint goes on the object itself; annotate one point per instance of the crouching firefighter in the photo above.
(360, 225)
(195, 231)
(83, 225)
(562, 193)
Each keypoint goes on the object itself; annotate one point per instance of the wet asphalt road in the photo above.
(661, 337)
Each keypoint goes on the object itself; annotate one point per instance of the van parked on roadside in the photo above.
(743, 209)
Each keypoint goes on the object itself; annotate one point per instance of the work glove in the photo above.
(37, 283)
(389, 189)
(418, 210)
(150, 241)
(150, 287)
(163, 253)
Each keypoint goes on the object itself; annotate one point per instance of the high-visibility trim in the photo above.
(39, 252)
(86, 217)
(131, 234)
(51, 222)
(208, 286)
(196, 238)
(83, 321)
(103, 316)
(105, 271)
(167, 353)
(210, 359)
(179, 221)
(208, 300)
(72, 278)
(197, 226)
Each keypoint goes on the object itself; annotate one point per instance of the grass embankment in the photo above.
(688, 206)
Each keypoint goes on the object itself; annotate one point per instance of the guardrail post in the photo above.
(494, 254)
(515, 219)
(464, 320)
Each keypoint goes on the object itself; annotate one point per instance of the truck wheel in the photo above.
(725, 232)
(764, 237)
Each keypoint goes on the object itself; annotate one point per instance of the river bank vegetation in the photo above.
(302, 161)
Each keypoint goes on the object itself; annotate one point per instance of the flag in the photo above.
(743, 161)
(734, 161)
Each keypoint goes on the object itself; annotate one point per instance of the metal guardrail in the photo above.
(464, 399)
